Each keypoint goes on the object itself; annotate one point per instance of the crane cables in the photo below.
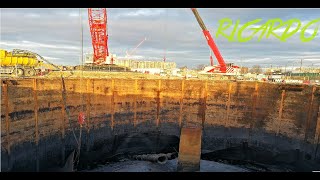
(166, 38)
(64, 95)
(77, 158)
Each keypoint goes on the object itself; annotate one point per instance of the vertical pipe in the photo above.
(36, 108)
(181, 103)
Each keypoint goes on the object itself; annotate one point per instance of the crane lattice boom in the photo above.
(99, 36)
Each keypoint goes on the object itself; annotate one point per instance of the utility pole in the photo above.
(241, 67)
(285, 69)
(81, 36)
(301, 66)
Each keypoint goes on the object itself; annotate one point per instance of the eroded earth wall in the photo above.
(37, 122)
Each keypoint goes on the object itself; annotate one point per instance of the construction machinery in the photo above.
(99, 36)
(101, 59)
(134, 50)
(222, 68)
(22, 63)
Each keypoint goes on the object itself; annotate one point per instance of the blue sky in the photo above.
(56, 35)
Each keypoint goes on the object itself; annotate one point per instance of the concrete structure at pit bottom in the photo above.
(190, 149)
(145, 116)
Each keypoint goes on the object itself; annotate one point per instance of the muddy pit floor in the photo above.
(171, 166)
(127, 165)
(227, 160)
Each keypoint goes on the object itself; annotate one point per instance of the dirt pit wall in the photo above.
(39, 118)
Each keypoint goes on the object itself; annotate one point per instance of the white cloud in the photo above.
(143, 12)
(32, 15)
(51, 58)
(55, 33)
(34, 45)
(73, 14)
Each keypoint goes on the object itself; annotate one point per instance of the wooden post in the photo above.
(36, 108)
(181, 103)
(317, 135)
(158, 102)
(135, 103)
(63, 122)
(253, 112)
(88, 111)
(280, 111)
(255, 98)
(310, 112)
(228, 105)
(204, 105)
(88, 106)
(112, 104)
(93, 100)
(6, 102)
(63, 113)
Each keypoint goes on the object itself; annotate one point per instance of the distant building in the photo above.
(135, 64)
(244, 70)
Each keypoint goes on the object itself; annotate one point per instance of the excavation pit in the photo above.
(125, 117)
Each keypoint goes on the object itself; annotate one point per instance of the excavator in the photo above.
(223, 68)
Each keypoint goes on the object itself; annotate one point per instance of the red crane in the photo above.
(211, 43)
(211, 59)
(99, 35)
